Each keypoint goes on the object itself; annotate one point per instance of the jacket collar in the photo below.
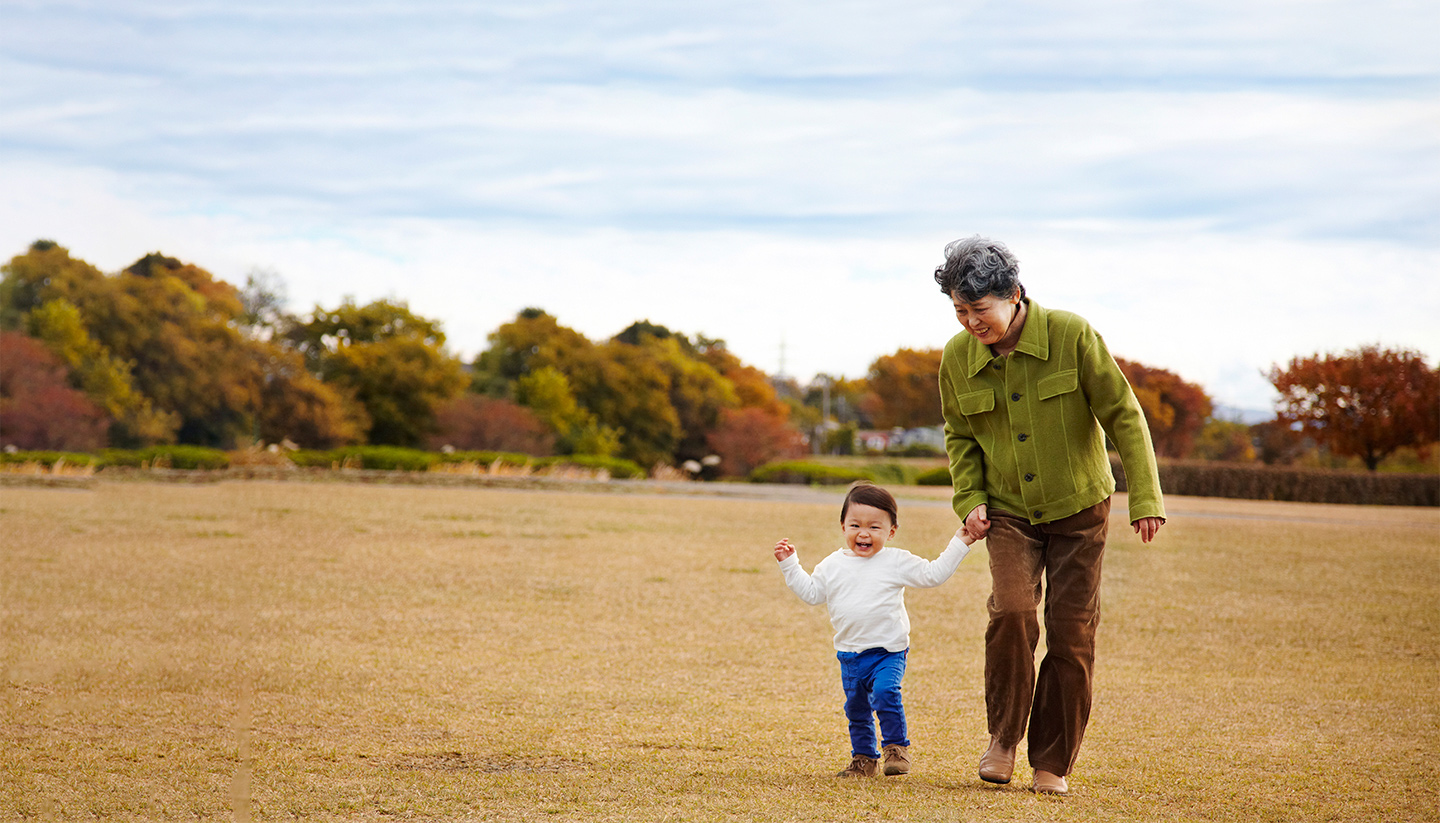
(1034, 340)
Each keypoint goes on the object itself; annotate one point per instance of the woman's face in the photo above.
(988, 318)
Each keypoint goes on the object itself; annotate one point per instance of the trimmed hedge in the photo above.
(49, 458)
(487, 458)
(934, 477)
(384, 458)
(1245, 481)
(806, 472)
(173, 457)
(618, 467)
(388, 458)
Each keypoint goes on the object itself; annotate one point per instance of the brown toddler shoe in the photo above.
(861, 766)
(897, 760)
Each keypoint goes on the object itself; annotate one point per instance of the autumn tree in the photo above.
(170, 352)
(391, 360)
(168, 323)
(546, 392)
(1224, 440)
(1277, 442)
(533, 340)
(697, 391)
(477, 422)
(653, 391)
(906, 389)
(105, 378)
(751, 437)
(38, 408)
(1175, 410)
(753, 387)
(1365, 402)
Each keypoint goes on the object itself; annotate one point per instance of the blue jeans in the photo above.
(872, 684)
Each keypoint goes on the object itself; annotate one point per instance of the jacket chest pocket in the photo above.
(1059, 383)
(976, 402)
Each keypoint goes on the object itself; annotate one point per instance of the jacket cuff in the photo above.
(967, 503)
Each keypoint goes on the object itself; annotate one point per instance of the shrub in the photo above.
(617, 466)
(389, 458)
(173, 457)
(934, 477)
(486, 458)
(804, 471)
(48, 458)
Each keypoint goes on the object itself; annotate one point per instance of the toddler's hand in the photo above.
(964, 534)
(783, 549)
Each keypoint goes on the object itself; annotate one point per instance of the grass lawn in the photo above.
(334, 651)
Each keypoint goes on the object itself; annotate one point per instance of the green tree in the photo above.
(1224, 440)
(697, 392)
(104, 378)
(392, 361)
(546, 392)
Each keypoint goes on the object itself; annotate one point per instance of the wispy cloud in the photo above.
(790, 148)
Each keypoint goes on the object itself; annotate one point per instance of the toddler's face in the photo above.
(866, 529)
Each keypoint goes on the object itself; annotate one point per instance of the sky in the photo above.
(1217, 186)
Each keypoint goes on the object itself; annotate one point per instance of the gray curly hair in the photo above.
(975, 267)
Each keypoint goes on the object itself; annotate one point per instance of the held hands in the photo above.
(977, 523)
(1147, 527)
(783, 549)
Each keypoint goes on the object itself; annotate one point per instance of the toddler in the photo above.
(863, 587)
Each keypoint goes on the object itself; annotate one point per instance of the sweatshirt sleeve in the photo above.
(924, 574)
(804, 585)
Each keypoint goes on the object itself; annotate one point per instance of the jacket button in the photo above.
(1024, 437)
(997, 365)
(1015, 396)
(1039, 513)
(1029, 477)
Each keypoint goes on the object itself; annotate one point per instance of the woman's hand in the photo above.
(1147, 527)
(783, 549)
(977, 522)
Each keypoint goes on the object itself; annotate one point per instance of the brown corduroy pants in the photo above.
(1066, 555)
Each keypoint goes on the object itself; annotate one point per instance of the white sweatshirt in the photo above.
(866, 595)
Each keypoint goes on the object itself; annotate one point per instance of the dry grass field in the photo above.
(271, 651)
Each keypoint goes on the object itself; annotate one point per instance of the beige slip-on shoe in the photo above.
(1050, 783)
(997, 764)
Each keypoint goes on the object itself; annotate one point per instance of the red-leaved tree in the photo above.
(751, 437)
(1175, 410)
(476, 422)
(1366, 402)
(38, 409)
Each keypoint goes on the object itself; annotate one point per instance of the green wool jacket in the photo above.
(1024, 431)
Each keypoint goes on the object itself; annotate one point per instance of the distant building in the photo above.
(897, 439)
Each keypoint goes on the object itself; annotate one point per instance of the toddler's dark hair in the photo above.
(868, 494)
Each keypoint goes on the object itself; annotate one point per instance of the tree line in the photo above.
(164, 352)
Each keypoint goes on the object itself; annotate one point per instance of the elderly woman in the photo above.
(1029, 394)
